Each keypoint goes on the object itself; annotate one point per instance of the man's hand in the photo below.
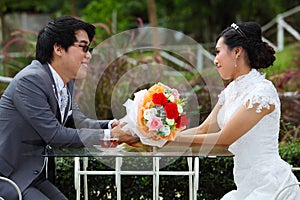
(124, 136)
(115, 123)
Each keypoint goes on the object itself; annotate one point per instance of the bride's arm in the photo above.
(208, 126)
(241, 122)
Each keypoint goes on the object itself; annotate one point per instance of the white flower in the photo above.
(165, 130)
(148, 113)
(179, 108)
(170, 121)
(171, 98)
(168, 94)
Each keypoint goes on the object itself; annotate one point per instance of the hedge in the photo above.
(215, 177)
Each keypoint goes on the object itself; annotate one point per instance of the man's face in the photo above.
(75, 61)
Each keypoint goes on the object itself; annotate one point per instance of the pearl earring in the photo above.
(235, 65)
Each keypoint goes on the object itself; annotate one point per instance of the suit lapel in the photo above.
(55, 92)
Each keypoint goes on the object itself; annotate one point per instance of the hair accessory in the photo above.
(237, 28)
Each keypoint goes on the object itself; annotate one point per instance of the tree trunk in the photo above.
(153, 23)
(72, 8)
(152, 13)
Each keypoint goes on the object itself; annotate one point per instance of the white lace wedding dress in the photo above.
(259, 172)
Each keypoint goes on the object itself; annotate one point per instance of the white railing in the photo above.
(282, 26)
(4, 79)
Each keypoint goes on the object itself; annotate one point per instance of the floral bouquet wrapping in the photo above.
(155, 115)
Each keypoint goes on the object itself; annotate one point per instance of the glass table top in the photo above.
(125, 150)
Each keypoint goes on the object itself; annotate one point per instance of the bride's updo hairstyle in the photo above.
(249, 36)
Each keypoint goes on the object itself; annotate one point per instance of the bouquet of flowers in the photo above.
(156, 114)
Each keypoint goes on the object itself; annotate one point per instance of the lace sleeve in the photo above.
(264, 97)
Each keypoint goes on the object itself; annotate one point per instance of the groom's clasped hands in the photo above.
(123, 135)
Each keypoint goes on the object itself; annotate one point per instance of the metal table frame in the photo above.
(193, 173)
(191, 153)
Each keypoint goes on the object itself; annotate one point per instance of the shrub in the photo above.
(215, 179)
(290, 152)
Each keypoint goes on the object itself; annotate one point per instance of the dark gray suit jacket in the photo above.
(30, 120)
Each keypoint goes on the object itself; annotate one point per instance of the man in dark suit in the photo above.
(33, 119)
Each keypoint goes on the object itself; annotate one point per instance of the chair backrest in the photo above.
(281, 191)
(14, 185)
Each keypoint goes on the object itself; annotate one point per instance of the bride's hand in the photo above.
(123, 135)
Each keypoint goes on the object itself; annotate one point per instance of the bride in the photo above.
(247, 117)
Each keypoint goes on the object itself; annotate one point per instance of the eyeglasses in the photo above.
(238, 29)
(85, 48)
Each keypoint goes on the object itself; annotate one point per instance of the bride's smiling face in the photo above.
(224, 60)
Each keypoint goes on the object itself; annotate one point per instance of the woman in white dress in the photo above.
(246, 117)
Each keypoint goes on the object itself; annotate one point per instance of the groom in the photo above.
(36, 115)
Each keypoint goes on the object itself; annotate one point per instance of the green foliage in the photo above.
(119, 15)
(203, 20)
(215, 179)
(290, 152)
(250, 10)
(285, 73)
(56, 7)
(65, 176)
(23, 42)
(215, 176)
(200, 19)
(36, 5)
(2, 87)
(286, 59)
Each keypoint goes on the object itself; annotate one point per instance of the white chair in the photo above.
(281, 191)
(14, 185)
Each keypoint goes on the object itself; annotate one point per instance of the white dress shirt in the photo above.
(59, 84)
